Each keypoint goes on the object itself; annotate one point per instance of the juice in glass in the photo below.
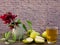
(52, 33)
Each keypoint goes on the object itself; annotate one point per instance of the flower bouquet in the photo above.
(16, 26)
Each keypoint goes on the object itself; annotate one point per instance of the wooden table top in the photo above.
(20, 43)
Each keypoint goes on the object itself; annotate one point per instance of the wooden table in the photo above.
(20, 43)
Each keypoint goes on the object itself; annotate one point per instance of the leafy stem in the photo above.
(29, 24)
(7, 35)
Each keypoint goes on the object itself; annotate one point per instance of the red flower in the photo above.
(8, 17)
(7, 21)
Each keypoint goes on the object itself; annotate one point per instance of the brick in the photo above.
(40, 12)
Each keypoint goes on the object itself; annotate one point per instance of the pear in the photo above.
(37, 33)
(25, 41)
(29, 32)
(39, 39)
(34, 34)
(44, 34)
(28, 40)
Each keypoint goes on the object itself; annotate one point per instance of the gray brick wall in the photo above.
(40, 12)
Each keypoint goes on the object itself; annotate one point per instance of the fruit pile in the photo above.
(34, 36)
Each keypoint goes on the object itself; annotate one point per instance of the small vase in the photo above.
(18, 31)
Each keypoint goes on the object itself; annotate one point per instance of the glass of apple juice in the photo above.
(52, 32)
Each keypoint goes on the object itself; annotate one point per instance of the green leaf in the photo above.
(29, 24)
(14, 37)
(24, 27)
(2, 39)
(7, 35)
(19, 22)
(11, 41)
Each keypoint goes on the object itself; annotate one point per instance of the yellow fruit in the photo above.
(39, 39)
(37, 33)
(29, 32)
(27, 40)
(34, 34)
(44, 34)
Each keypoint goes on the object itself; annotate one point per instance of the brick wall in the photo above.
(40, 12)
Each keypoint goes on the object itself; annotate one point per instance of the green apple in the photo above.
(28, 40)
(44, 34)
(39, 39)
(34, 34)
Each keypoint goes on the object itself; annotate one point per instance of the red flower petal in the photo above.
(13, 17)
(7, 21)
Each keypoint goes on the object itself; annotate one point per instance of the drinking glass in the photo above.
(52, 33)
